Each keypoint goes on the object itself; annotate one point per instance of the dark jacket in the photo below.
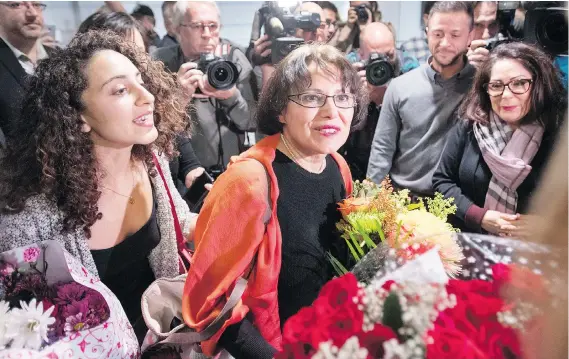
(464, 175)
(184, 163)
(12, 87)
(167, 41)
(357, 148)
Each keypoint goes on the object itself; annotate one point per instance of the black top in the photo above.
(357, 149)
(307, 214)
(126, 271)
(184, 163)
(464, 175)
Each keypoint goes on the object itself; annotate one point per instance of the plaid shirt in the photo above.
(418, 48)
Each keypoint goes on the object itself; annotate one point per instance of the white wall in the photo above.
(236, 16)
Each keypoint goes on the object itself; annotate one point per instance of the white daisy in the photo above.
(4, 320)
(29, 325)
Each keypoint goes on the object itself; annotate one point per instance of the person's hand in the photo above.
(524, 227)
(261, 51)
(193, 175)
(477, 53)
(352, 17)
(499, 223)
(190, 78)
(209, 91)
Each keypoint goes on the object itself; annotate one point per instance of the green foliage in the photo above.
(441, 207)
(392, 312)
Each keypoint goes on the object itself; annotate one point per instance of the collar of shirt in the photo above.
(466, 72)
(42, 54)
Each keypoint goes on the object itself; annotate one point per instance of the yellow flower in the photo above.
(426, 229)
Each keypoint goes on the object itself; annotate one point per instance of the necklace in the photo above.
(294, 153)
(130, 199)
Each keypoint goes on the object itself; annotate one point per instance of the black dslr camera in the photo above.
(363, 16)
(221, 74)
(546, 24)
(378, 69)
(280, 24)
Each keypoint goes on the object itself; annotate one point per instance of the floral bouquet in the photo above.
(432, 317)
(376, 215)
(50, 306)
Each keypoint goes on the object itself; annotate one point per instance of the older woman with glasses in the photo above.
(273, 212)
(495, 156)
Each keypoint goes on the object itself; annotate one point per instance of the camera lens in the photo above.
(552, 33)
(222, 74)
(378, 73)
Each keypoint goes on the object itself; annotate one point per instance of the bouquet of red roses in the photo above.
(458, 319)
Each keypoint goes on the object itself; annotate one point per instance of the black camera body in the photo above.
(221, 74)
(493, 42)
(547, 26)
(280, 24)
(378, 69)
(363, 16)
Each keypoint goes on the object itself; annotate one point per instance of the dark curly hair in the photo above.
(292, 76)
(548, 97)
(50, 155)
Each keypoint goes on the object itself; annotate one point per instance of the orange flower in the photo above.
(352, 204)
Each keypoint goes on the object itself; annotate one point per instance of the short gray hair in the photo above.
(181, 7)
(292, 76)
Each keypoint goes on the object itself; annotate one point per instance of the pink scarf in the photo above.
(507, 153)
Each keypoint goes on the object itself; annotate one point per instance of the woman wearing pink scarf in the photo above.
(495, 155)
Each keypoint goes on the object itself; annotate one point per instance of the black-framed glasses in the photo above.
(212, 26)
(517, 86)
(16, 5)
(315, 100)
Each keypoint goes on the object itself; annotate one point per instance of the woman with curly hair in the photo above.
(82, 170)
(186, 167)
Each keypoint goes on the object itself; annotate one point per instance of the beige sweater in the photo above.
(41, 221)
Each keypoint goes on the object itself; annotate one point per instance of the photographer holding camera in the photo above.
(377, 62)
(360, 14)
(486, 28)
(219, 89)
(284, 32)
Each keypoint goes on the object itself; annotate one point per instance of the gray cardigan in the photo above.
(41, 221)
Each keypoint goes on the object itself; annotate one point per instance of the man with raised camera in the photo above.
(215, 74)
(419, 107)
(486, 30)
(378, 62)
(360, 14)
(309, 26)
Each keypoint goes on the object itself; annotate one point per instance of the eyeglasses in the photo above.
(19, 5)
(315, 100)
(330, 23)
(518, 87)
(213, 27)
